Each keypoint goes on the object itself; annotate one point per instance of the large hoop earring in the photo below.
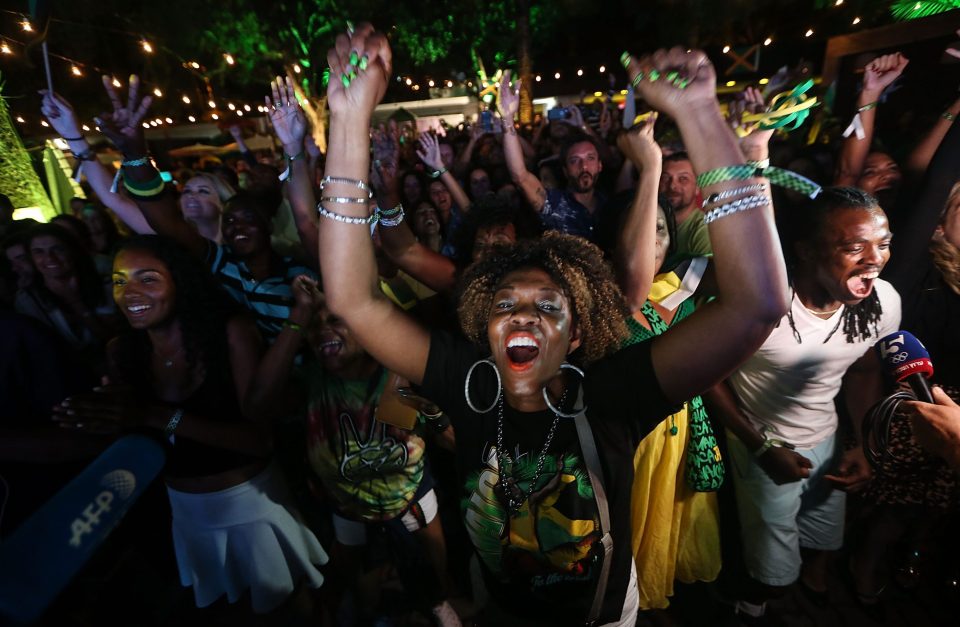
(466, 386)
(546, 397)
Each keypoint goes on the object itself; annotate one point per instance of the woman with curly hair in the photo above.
(546, 449)
(181, 369)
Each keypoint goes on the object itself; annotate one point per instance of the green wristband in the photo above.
(868, 106)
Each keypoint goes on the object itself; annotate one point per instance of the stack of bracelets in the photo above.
(143, 190)
(748, 196)
(387, 218)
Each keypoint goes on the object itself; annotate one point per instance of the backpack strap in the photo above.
(592, 460)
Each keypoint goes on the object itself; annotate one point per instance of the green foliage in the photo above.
(913, 9)
(18, 179)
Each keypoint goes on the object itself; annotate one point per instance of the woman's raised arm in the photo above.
(360, 66)
(751, 275)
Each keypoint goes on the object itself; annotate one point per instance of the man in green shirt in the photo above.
(678, 183)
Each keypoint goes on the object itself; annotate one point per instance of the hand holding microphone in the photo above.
(936, 427)
(904, 360)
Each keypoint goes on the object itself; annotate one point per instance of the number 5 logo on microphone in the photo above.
(891, 346)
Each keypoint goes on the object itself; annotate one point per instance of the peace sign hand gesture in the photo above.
(122, 126)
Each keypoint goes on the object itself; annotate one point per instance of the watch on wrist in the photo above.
(769, 443)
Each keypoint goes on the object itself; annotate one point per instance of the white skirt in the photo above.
(249, 536)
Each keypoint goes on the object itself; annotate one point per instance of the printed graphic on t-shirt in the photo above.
(546, 545)
(372, 470)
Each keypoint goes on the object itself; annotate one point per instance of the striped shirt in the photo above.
(270, 300)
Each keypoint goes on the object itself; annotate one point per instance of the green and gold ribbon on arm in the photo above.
(787, 111)
(776, 176)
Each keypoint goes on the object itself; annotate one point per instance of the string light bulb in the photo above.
(212, 104)
(239, 113)
(449, 83)
(856, 21)
(86, 128)
(191, 118)
(186, 99)
(726, 49)
(603, 69)
(168, 120)
(228, 58)
(157, 92)
(296, 68)
(538, 78)
(215, 116)
(808, 33)
(195, 65)
(557, 76)
(146, 46)
(579, 72)
(246, 107)
(75, 71)
(5, 48)
(838, 3)
(153, 123)
(26, 26)
(145, 125)
(231, 106)
(409, 82)
(21, 120)
(43, 122)
(430, 82)
(768, 41)
(116, 83)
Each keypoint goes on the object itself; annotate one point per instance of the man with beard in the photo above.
(678, 184)
(574, 209)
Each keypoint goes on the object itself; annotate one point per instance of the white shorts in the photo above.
(353, 533)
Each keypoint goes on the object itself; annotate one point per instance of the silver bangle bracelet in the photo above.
(731, 193)
(742, 204)
(342, 218)
(352, 182)
(173, 422)
(345, 200)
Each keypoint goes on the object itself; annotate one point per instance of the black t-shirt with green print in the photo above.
(541, 564)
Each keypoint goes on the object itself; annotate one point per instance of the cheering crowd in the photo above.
(530, 374)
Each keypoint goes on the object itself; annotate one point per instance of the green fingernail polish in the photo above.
(354, 58)
(625, 59)
(682, 83)
(637, 79)
(351, 74)
(363, 62)
(672, 76)
(345, 80)
(654, 76)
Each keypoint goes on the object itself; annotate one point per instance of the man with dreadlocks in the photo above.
(790, 471)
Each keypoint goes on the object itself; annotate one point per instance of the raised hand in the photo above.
(289, 122)
(753, 139)
(508, 98)
(60, 115)
(306, 299)
(693, 68)
(638, 145)
(360, 65)
(429, 151)
(122, 126)
(882, 71)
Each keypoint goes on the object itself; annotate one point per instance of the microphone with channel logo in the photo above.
(46, 551)
(905, 359)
